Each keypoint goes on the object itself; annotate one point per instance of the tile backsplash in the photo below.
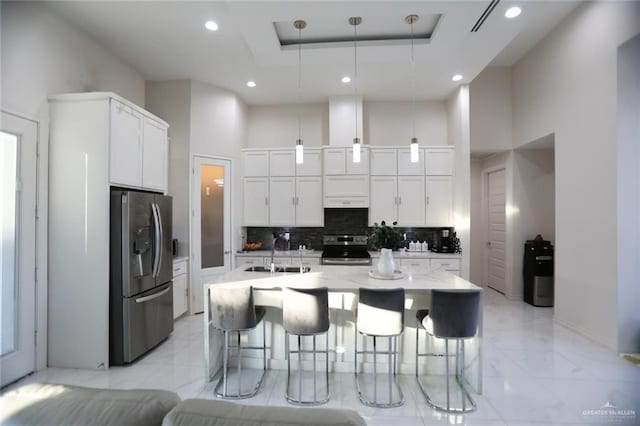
(336, 222)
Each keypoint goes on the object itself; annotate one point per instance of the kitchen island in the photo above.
(343, 283)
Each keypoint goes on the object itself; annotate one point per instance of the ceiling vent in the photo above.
(374, 31)
(485, 15)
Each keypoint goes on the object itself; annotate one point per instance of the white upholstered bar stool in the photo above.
(380, 314)
(233, 312)
(305, 312)
(453, 315)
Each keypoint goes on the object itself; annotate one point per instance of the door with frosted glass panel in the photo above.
(18, 160)
(210, 224)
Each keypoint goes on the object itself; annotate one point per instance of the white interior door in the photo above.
(496, 218)
(18, 144)
(210, 224)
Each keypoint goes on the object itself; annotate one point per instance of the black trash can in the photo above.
(537, 272)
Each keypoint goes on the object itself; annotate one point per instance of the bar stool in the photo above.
(305, 312)
(233, 311)
(380, 314)
(454, 315)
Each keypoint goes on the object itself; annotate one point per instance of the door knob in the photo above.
(227, 252)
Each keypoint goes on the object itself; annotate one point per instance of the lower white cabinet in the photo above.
(180, 287)
(449, 265)
(249, 260)
(256, 201)
(439, 192)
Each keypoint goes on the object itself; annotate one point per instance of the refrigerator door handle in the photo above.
(153, 296)
(158, 239)
(161, 228)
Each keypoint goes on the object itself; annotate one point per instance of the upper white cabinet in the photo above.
(439, 192)
(154, 155)
(383, 162)
(384, 199)
(411, 201)
(439, 161)
(138, 148)
(255, 163)
(309, 210)
(335, 161)
(361, 168)
(406, 167)
(256, 201)
(282, 163)
(346, 191)
(125, 151)
(312, 164)
(282, 201)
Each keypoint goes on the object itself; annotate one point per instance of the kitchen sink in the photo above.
(280, 269)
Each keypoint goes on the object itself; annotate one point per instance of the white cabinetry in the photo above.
(335, 161)
(282, 163)
(95, 140)
(406, 167)
(282, 201)
(312, 165)
(384, 162)
(180, 287)
(439, 192)
(439, 161)
(256, 201)
(309, 210)
(346, 191)
(255, 163)
(411, 201)
(384, 199)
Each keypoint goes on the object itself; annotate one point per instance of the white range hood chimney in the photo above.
(342, 120)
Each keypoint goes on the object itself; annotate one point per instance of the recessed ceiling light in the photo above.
(513, 12)
(211, 26)
(456, 77)
(251, 83)
(346, 79)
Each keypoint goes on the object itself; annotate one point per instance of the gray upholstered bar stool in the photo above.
(454, 315)
(305, 312)
(233, 311)
(380, 314)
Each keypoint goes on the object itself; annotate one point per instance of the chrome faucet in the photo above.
(273, 249)
(300, 251)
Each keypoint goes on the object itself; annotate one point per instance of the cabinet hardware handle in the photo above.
(399, 200)
(266, 201)
(427, 200)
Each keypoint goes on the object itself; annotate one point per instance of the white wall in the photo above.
(476, 237)
(171, 101)
(533, 206)
(490, 110)
(391, 123)
(42, 55)
(629, 196)
(277, 125)
(566, 85)
(458, 131)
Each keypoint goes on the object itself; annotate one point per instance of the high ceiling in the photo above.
(167, 40)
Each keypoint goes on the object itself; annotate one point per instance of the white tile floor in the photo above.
(535, 373)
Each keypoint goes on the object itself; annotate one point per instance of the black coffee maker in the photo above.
(445, 241)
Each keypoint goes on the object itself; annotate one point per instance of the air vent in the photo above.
(484, 15)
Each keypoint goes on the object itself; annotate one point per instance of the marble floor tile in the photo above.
(535, 372)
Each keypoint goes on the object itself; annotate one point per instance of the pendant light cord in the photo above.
(355, 72)
(299, 81)
(413, 83)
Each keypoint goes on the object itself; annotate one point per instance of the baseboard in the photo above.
(594, 339)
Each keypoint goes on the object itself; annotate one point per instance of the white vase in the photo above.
(386, 266)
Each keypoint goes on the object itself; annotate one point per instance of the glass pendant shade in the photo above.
(415, 152)
(356, 150)
(299, 152)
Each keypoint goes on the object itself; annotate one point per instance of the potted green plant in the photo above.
(386, 239)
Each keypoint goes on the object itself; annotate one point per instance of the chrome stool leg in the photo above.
(299, 352)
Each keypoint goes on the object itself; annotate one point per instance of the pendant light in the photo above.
(355, 21)
(299, 25)
(415, 152)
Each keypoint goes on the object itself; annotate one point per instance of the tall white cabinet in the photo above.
(97, 140)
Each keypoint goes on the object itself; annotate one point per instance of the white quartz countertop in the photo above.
(345, 278)
(318, 253)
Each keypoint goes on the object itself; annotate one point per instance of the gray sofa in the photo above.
(50, 404)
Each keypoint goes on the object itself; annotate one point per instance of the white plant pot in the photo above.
(386, 266)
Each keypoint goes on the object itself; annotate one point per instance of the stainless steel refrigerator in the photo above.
(141, 294)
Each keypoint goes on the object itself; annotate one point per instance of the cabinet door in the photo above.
(179, 295)
(406, 167)
(334, 161)
(361, 168)
(282, 163)
(256, 201)
(255, 163)
(282, 192)
(383, 200)
(249, 261)
(154, 155)
(312, 165)
(384, 162)
(439, 161)
(309, 209)
(411, 201)
(125, 150)
(439, 190)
